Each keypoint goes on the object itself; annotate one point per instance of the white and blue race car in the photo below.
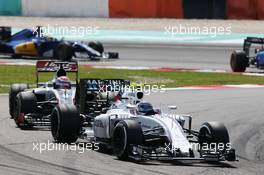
(240, 60)
(120, 120)
(32, 43)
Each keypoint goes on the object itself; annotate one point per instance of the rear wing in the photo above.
(252, 40)
(96, 84)
(45, 66)
(89, 90)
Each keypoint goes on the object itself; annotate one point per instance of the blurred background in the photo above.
(194, 9)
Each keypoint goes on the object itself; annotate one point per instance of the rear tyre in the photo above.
(26, 102)
(239, 61)
(125, 134)
(64, 52)
(65, 123)
(5, 33)
(213, 134)
(98, 46)
(14, 90)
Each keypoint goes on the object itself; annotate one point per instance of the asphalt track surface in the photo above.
(168, 56)
(239, 109)
(195, 57)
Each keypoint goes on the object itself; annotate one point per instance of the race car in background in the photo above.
(33, 107)
(29, 42)
(240, 60)
(133, 129)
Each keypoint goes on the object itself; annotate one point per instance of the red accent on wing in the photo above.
(53, 66)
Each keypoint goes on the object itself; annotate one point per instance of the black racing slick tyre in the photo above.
(213, 133)
(125, 134)
(238, 61)
(64, 52)
(14, 90)
(98, 46)
(26, 102)
(65, 123)
(5, 33)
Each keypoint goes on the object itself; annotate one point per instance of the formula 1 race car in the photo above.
(240, 60)
(133, 129)
(30, 107)
(29, 42)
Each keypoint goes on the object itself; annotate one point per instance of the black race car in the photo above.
(33, 106)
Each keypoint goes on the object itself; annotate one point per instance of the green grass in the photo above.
(26, 74)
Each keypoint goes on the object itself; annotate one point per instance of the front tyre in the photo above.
(213, 137)
(65, 123)
(126, 133)
(14, 90)
(238, 61)
(98, 46)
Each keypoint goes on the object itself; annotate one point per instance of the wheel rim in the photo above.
(120, 140)
(205, 132)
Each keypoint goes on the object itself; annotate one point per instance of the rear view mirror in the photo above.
(172, 107)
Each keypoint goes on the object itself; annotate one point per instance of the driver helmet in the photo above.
(62, 82)
(146, 108)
